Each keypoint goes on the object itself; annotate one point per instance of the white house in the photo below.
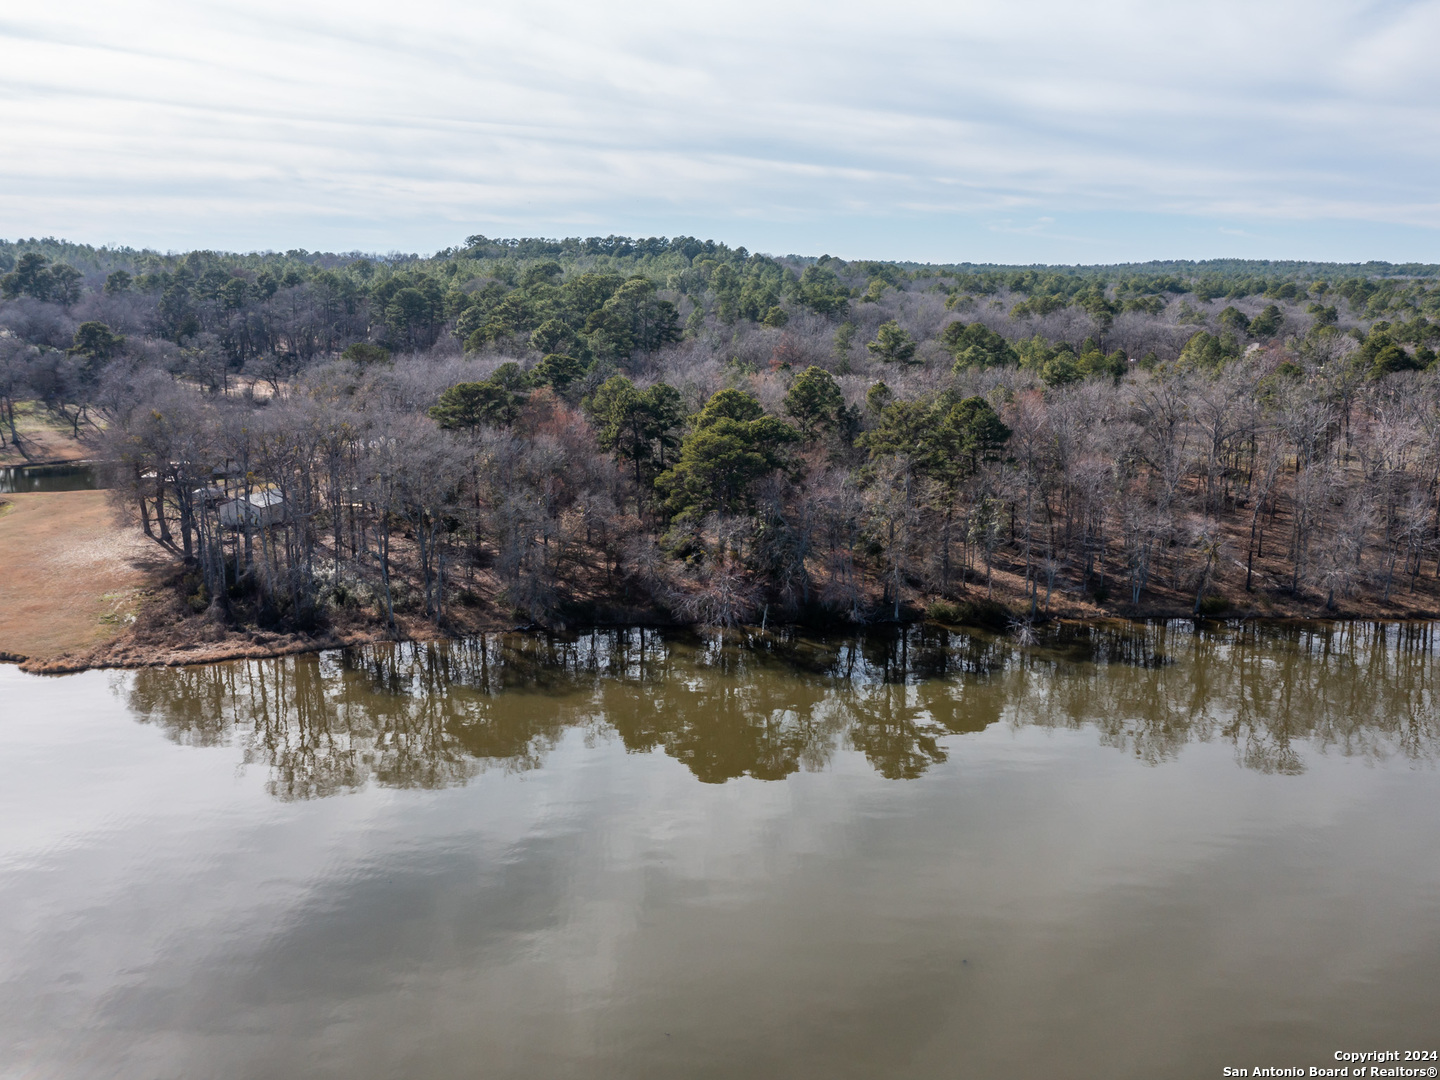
(263, 508)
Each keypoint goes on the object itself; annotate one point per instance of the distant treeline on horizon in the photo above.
(615, 246)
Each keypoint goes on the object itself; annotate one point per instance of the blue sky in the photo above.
(1018, 132)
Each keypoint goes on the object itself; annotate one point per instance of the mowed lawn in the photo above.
(70, 578)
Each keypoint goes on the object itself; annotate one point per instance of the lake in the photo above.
(1127, 851)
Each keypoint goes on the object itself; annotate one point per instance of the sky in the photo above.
(1017, 132)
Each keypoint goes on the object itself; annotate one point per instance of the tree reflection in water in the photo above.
(766, 706)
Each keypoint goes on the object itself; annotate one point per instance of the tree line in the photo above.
(673, 426)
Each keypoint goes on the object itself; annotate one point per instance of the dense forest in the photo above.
(617, 429)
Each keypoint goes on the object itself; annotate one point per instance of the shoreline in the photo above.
(50, 463)
(123, 655)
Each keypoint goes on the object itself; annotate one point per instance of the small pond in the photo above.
(81, 476)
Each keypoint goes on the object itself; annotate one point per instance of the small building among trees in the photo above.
(260, 510)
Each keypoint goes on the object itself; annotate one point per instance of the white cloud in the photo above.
(372, 125)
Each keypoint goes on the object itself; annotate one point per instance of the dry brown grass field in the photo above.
(70, 577)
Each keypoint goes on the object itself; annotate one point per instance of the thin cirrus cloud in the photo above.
(1026, 131)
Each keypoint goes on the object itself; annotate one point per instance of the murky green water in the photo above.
(1138, 852)
(78, 477)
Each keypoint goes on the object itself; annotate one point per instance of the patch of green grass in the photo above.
(33, 416)
(990, 614)
(1213, 604)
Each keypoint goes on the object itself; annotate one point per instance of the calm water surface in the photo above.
(1134, 852)
(78, 477)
